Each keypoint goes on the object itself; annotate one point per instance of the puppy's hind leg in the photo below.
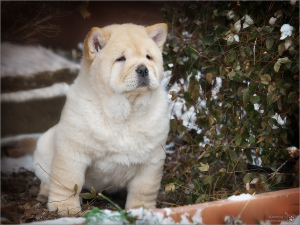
(44, 193)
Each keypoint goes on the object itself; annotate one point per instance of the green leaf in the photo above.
(238, 140)
(281, 48)
(262, 138)
(196, 185)
(75, 189)
(216, 114)
(203, 167)
(224, 129)
(288, 65)
(93, 191)
(207, 180)
(269, 43)
(273, 122)
(271, 88)
(209, 77)
(237, 77)
(251, 140)
(279, 104)
(87, 195)
(170, 187)
(254, 99)
(292, 97)
(283, 60)
(222, 170)
(277, 67)
(248, 154)
(232, 56)
(233, 155)
(265, 78)
(208, 40)
(231, 74)
(247, 178)
(246, 97)
(250, 109)
(210, 121)
(201, 197)
(271, 98)
(269, 138)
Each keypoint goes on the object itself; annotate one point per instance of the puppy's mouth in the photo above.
(143, 83)
(143, 76)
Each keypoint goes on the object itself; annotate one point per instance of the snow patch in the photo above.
(65, 220)
(146, 216)
(9, 139)
(272, 21)
(151, 217)
(286, 31)
(241, 197)
(166, 78)
(56, 90)
(248, 21)
(21, 60)
(10, 165)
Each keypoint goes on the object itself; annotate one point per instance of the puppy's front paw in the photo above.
(65, 206)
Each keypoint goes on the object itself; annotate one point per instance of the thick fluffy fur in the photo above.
(113, 125)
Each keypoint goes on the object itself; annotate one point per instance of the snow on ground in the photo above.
(65, 220)
(144, 216)
(241, 197)
(56, 90)
(9, 165)
(9, 139)
(21, 60)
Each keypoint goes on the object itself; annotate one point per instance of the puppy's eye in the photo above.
(148, 57)
(122, 58)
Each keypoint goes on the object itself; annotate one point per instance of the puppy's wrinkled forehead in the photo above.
(125, 36)
(134, 38)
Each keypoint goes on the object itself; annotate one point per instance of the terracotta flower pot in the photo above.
(274, 207)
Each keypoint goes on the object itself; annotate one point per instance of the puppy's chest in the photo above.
(123, 146)
(130, 138)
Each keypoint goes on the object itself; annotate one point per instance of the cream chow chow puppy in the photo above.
(114, 122)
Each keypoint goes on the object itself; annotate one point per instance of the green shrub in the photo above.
(239, 80)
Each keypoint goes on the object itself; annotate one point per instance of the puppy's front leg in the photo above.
(143, 188)
(68, 172)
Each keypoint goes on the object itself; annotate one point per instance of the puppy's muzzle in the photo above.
(143, 76)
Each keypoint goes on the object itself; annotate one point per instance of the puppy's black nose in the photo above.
(142, 71)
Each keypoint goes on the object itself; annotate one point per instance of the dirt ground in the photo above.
(19, 202)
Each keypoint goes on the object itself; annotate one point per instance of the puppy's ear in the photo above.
(158, 33)
(94, 42)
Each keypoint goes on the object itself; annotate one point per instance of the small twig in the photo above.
(31, 24)
(53, 177)
(239, 216)
(254, 50)
(168, 203)
(279, 168)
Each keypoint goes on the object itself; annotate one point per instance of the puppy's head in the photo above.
(125, 58)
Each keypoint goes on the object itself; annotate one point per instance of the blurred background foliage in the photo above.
(239, 79)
